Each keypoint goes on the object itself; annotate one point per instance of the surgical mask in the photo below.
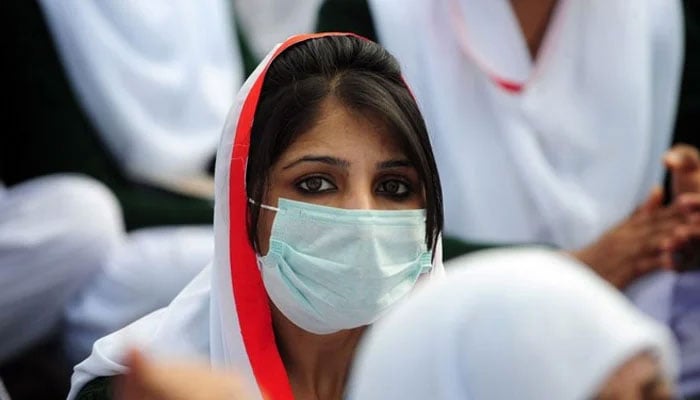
(329, 269)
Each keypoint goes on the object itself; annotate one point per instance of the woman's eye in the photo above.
(316, 184)
(394, 187)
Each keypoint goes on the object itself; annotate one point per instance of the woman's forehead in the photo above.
(341, 130)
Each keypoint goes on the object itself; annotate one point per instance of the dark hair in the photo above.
(362, 76)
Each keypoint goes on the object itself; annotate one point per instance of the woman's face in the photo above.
(345, 160)
(641, 378)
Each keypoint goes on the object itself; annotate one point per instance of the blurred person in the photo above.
(525, 324)
(464, 81)
(327, 212)
(69, 274)
(178, 381)
(155, 78)
(128, 93)
(55, 232)
(567, 146)
(131, 94)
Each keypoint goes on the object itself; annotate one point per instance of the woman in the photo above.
(516, 324)
(328, 209)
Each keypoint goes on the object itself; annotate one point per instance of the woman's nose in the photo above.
(359, 200)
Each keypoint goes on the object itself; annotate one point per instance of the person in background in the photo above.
(101, 95)
(134, 95)
(55, 232)
(525, 324)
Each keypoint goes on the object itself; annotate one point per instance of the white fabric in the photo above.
(514, 324)
(3, 392)
(144, 273)
(55, 232)
(268, 22)
(201, 322)
(573, 153)
(155, 77)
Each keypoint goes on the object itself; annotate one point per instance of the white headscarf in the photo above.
(553, 151)
(223, 315)
(516, 324)
(155, 77)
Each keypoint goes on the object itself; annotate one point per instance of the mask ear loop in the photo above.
(265, 206)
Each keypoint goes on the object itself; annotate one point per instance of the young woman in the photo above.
(328, 210)
(516, 324)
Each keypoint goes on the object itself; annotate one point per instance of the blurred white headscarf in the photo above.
(523, 324)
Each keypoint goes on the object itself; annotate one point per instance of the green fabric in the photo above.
(688, 122)
(346, 16)
(453, 247)
(49, 133)
(97, 389)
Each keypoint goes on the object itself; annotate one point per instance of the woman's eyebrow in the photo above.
(395, 164)
(336, 162)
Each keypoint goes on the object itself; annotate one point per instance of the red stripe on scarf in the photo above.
(249, 292)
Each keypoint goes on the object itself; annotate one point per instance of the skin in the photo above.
(646, 241)
(640, 378)
(533, 17)
(683, 163)
(654, 236)
(149, 380)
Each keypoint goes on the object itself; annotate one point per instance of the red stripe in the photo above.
(509, 86)
(249, 293)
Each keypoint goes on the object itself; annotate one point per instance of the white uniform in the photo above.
(145, 273)
(55, 232)
(551, 150)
